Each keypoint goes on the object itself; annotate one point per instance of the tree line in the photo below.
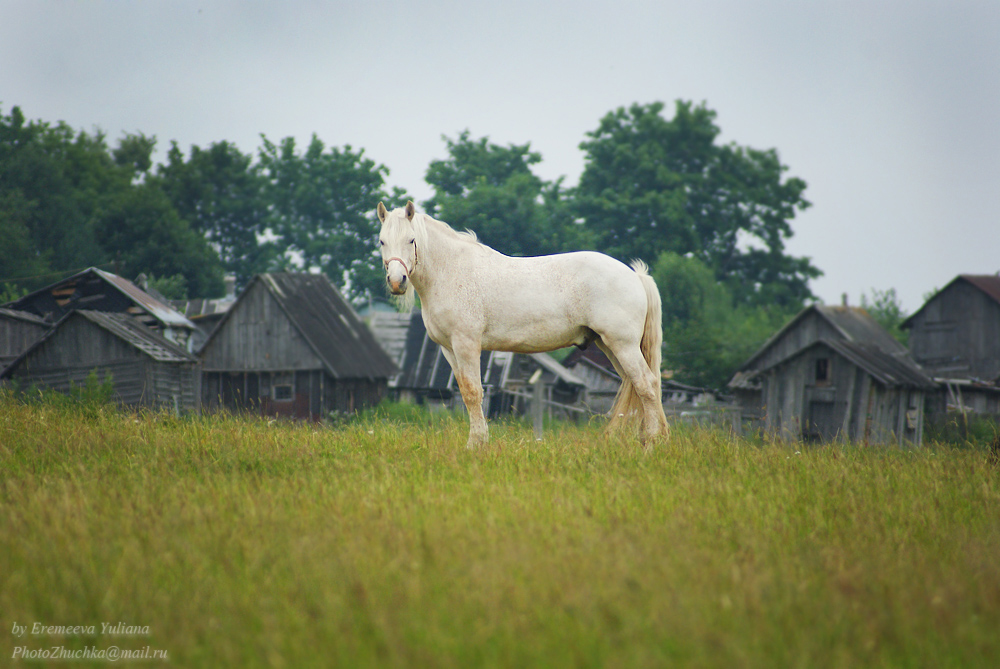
(710, 219)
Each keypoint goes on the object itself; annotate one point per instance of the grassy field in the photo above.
(383, 542)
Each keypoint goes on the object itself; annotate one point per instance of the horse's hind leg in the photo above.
(464, 361)
(642, 395)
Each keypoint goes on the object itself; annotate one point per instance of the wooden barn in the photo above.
(838, 389)
(97, 290)
(813, 379)
(956, 333)
(18, 331)
(292, 346)
(955, 336)
(146, 369)
(809, 326)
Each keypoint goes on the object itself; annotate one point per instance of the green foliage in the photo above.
(219, 192)
(171, 287)
(135, 152)
(971, 431)
(885, 307)
(652, 185)
(68, 202)
(711, 219)
(706, 335)
(241, 543)
(491, 190)
(142, 231)
(89, 400)
(321, 209)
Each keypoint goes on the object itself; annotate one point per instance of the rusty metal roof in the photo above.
(203, 307)
(989, 284)
(87, 290)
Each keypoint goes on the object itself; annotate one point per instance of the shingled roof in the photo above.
(326, 321)
(854, 324)
(123, 326)
(892, 370)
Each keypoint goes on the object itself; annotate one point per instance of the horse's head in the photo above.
(397, 242)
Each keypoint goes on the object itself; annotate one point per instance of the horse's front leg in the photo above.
(464, 361)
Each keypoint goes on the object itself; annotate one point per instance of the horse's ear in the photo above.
(382, 213)
(410, 210)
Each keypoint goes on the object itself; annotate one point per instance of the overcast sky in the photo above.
(890, 111)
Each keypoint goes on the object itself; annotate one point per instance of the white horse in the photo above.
(474, 298)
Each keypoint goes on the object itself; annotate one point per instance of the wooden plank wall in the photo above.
(258, 336)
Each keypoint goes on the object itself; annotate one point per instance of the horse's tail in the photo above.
(627, 401)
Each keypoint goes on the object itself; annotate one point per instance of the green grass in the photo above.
(383, 542)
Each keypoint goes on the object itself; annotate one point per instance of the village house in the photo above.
(834, 373)
(955, 336)
(96, 290)
(18, 331)
(145, 369)
(292, 346)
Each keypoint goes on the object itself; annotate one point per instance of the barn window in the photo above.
(283, 387)
(822, 371)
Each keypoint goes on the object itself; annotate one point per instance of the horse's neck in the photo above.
(433, 259)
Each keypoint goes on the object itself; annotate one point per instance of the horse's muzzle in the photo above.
(397, 286)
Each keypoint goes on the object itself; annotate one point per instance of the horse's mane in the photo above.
(466, 235)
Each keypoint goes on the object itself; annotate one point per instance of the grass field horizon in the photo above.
(382, 541)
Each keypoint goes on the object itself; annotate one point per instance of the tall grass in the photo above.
(383, 542)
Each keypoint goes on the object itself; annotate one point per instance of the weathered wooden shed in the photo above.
(96, 290)
(292, 346)
(812, 324)
(18, 331)
(956, 333)
(839, 389)
(146, 369)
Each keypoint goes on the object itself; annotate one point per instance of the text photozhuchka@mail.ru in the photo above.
(40, 641)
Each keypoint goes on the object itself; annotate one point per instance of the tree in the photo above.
(887, 310)
(491, 190)
(321, 205)
(706, 335)
(142, 232)
(651, 185)
(54, 182)
(218, 191)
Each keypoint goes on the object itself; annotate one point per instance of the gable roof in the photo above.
(93, 290)
(326, 321)
(147, 341)
(853, 324)
(888, 369)
(989, 284)
(23, 316)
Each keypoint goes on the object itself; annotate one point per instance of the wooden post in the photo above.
(537, 402)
